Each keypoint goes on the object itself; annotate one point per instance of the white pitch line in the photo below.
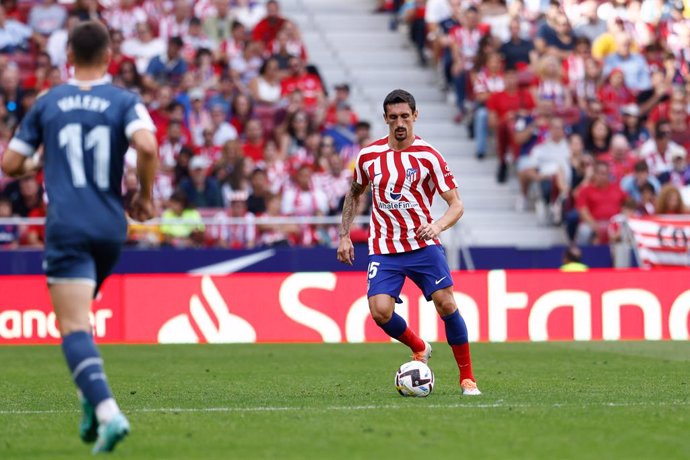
(497, 405)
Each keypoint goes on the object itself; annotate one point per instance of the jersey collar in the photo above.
(104, 80)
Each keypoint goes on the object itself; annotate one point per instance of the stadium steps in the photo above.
(351, 44)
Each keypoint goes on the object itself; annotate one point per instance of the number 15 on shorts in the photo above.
(373, 269)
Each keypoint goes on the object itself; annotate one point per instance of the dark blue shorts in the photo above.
(88, 262)
(426, 267)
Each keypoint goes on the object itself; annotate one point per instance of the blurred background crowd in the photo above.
(584, 103)
(245, 124)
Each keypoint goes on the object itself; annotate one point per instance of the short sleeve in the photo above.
(360, 174)
(29, 135)
(441, 174)
(137, 117)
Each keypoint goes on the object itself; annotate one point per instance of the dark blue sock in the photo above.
(456, 330)
(395, 327)
(86, 366)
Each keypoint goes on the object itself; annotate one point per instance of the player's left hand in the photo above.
(429, 231)
(142, 208)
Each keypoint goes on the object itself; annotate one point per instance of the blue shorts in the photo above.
(426, 267)
(88, 262)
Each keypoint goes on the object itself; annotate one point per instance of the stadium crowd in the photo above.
(244, 122)
(588, 101)
(585, 102)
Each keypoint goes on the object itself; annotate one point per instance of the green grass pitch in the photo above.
(627, 400)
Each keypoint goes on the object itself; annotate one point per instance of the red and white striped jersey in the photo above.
(403, 185)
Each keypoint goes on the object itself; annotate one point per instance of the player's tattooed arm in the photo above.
(350, 208)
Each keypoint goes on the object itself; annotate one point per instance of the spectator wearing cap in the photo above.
(46, 17)
(14, 35)
(199, 118)
(517, 52)
(633, 65)
(659, 150)
(267, 29)
(143, 47)
(597, 202)
(634, 131)
(679, 174)
(232, 235)
(217, 26)
(632, 183)
(201, 190)
(168, 67)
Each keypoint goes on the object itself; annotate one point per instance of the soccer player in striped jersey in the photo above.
(404, 174)
(84, 128)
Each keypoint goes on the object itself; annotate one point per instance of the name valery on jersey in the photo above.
(85, 102)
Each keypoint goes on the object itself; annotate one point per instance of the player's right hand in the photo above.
(142, 208)
(346, 251)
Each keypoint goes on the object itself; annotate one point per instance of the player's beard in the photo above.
(400, 134)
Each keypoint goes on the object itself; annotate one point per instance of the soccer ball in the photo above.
(414, 379)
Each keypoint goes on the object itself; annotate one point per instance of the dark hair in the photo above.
(647, 187)
(176, 41)
(641, 166)
(362, 125)
(572, 254)
(181, 197)
(399, 96)
(89, 42)
(5, 200)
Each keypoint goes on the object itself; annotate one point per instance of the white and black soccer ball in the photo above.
(414, 379)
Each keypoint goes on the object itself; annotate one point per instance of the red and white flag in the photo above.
(662, 241)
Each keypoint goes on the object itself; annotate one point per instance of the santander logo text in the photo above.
(223, 327)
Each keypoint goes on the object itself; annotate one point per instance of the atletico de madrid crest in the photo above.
(411, 174)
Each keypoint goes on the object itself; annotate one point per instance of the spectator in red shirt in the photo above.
(308, 84)
(620, 159)
(503, 107)
(267, 29)
(614, 95)
(597, 203)
(678, 119)
(253, 145)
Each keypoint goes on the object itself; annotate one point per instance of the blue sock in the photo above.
(395, 327)
(456, 330)
(86, 366)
